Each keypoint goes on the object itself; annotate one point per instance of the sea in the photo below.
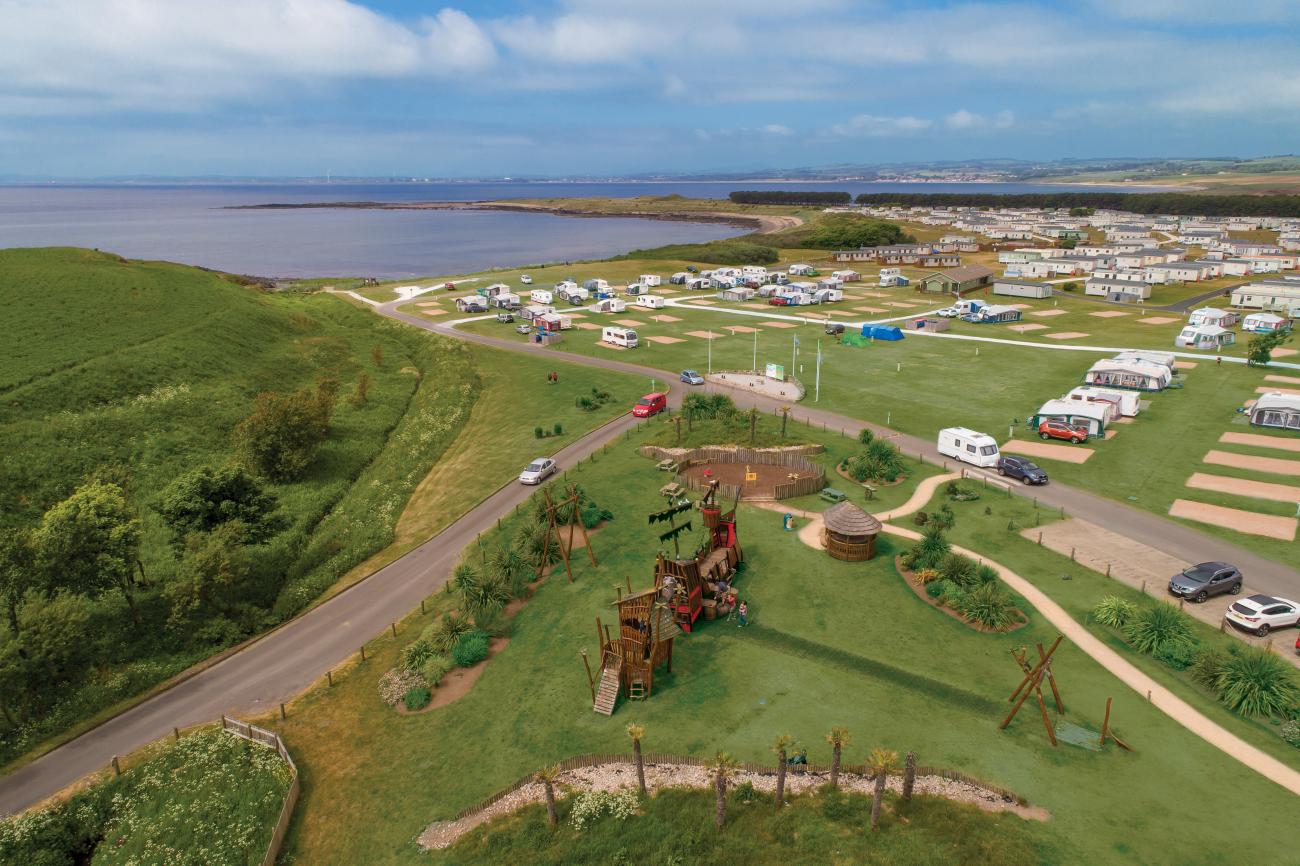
(192, 223)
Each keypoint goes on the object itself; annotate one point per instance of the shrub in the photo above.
(538, 433)
(926, 576)
(745, 792)
(1159, 626)
(416, 653)
(590, 805)
(444, 634)
(436, 667)
(879, 460)
(866, 436)
(986, 574)
(1207, 664)
(958, 569)
(558, 429)
(929, 551)
(470, 649)
(1290, 732)
(417, 699)
(935, 588)
(394, 685)
(1178, 656)
(1256, 682)
(1114, 611)
(920, 518)
(987, 605)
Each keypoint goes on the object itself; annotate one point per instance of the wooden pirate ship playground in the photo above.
(686, 590)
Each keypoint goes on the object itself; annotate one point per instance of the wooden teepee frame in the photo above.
(1033, 682)
(553, 529)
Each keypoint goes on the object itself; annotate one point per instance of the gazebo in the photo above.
(849, 533)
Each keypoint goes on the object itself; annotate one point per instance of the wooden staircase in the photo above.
(607, 692)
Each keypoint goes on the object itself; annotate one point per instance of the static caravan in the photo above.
(543, 296)
(846, 276)
(1132, 375)
(652, 302)
(968, 446)
(892, 277)
(1127, 403)
(650, 280)
(1264, 323)
(624, 337)
(595, 285)
(1205, 337)
(1021, 289)
(609, 305)
(1276, 409)
(1212, 316)
(993, 314)
(1093, 417)
(532, 311)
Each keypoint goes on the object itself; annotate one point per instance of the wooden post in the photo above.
(393, 626)
(591, 680)
(176, 734)
(1071, 554)
(283, 714)
(363, 652)
(329, 675)
(1105, 722)
(421, 606)
(117, 768)
(1108, 569)
(1051, 680)
(1040, 539)
(1047, 723)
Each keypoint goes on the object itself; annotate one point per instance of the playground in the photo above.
(757, 481)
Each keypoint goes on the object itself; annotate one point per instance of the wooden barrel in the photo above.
(710, 608)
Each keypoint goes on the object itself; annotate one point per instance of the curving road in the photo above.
(289, 659)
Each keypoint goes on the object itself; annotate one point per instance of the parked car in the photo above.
(505, 317)
(449, 285)
(1263, 613)
(948, 312)
(526, 280)
(1199, 582)
(834, 329)
(690, 377)
(650, 404)
(778, 301)
(538, 471)
(1021, 467)
(523, 328)
(1060, 430)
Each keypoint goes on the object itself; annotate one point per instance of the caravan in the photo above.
(650, 281)
(542, 296)
(653, 302)
(623, 337)
(609, 305)
(1127, 403)
(969, 446)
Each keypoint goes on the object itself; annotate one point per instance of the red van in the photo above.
(650, 404)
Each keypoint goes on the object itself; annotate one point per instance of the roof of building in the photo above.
(964, 273)
(845, 518)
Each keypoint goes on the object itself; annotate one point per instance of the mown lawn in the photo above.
(830, 643)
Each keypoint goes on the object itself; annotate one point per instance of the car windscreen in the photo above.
(537, 466)
(1029, 467)
(1199, 572)
(645, 401)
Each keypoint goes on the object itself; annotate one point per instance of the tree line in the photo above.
(1150, 203)
(776, 196)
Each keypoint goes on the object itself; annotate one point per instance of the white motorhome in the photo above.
(542, 296)
(650, 280)
(609, 305)
(653, 302)
(968, 446)
(624, 337)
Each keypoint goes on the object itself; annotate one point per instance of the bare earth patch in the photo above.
(1028, 326)
(1259, 464)
(1157, 320)
(778, 324)
(706, 335)
(1184, 365)
(1290, 380)
(433, 312)
(1285, 353)
(1260, 441)
(665, 318)
(1043, 314)
(1065, 335)
(1046, 450)
(1244, 487)
(666, 341)
(1108, 314)
(741, 329)
(1248, 522)
(628, 323)
(704, 301)
(587, 326)
(1274, 389)
(903, 304)
(870, 309)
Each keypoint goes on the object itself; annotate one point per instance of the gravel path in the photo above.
(612, 777)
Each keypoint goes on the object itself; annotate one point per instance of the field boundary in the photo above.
(271, 740)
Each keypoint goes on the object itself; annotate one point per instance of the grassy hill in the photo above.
(136, 372)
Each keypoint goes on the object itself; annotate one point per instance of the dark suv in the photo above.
(1021, 467)
(1199, 582)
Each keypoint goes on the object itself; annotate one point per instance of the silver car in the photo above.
(538, 471)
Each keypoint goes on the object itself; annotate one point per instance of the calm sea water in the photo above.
(189, 223)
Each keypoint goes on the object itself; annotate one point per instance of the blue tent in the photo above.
(882, 332)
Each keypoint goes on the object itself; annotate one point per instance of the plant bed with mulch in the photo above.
(873, 482)
(918, 588)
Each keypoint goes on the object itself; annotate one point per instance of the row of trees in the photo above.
(1133, 202)
(880, 764)
(776, 196)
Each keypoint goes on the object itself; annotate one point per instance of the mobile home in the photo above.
(543, 296)
(1205, 337)
(624, 337)
(653, 302)
(892, 277)
(1021, 289)
(968, 446)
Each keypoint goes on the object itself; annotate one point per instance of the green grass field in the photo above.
(831, 643)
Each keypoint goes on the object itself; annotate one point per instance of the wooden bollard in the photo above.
(283, 714)
(1071, 554)
(1144, 587)
(1181, 602)
(329, 675)
(1108, 569)
(1040, 539)
(176, 734)
(393, 627)
(421, 606)
(117, 768)
(363, 652)
(1148, 694)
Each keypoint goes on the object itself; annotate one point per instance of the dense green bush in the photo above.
(1207, 664)
(417, 699)
(866, 436)
(1114, 611)
(416, 653)
(987, 605)
(444, 634)
(1178, 656)
(702, 406)
(436, 667)
(1160, 626)
(929, 552)
(879, 461)
(958, 569)
(1256, 682)
(736, 251)
(471, 648)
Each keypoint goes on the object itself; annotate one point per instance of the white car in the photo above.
(948, 312)
(1263, 613)
(526, 280)
(538, 471)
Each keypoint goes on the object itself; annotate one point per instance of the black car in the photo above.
(1021, 467)
(834, 329)
(1199, 582)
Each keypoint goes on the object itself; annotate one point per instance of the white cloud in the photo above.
(963, 119)
(876, 126)
(777, 129)
(1200, 10)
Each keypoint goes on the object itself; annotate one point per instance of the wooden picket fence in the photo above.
(652, 758)
(271, 740)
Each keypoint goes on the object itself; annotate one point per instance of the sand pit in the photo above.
(903, 304)
(1289, 380)
(1260, 441)
(706, 335)
(1249, 522)
(1184, 365)
(1157, 320)
(1065, 335)
(1272, 465)
(1029, 326)
(1043, 314)
(667, 341)
(1108, 314)
(1242, 487)
(871, 309)
(628, 323)
(1048, 451)
(734, 473)
(586, 326)
(778, 324)
(665, 318)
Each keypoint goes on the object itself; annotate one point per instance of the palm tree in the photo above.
(722, 766)
(508, 562)
(636, 732)
(547, 776)
(781, 747)
(880, 762)
(838, 738)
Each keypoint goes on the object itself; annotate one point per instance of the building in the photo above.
(1264, 323)
(1276, 409)
(1021, 289)
(1127, 291)
(1204, 337)
(993, 314)
(1188, 272)
(958, 281)
(1279, 296)
(849, 533)
(1212, 316)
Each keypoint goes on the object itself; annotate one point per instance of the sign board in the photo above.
(776, 371)
(750, 475)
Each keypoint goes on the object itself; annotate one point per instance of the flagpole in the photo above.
(710, 351)
(755, 367)
(817, 391)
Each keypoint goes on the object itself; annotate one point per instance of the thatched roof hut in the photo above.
(850, 533)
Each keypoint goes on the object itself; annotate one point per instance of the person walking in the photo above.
(743, 613)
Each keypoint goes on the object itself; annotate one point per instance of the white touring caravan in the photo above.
(624, 337)
(609, 305)
(968, 446)
(541, 296)
(650, 280)
(653, 302)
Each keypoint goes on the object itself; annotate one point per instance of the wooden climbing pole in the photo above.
(1032, 683)
(564, 539)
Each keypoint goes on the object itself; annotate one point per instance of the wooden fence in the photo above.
(651, 758)
(794, 458)
(271, 740)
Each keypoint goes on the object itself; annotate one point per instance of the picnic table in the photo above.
(672, 490)
(667, 465)
(830, 494)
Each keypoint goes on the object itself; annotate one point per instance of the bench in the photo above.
(830, 494)
(672, 491)
(667, 465)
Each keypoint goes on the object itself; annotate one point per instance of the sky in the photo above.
(93, 88)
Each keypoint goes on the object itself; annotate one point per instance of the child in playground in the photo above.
(743, 613)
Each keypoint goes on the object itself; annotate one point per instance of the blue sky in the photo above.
(502, 87)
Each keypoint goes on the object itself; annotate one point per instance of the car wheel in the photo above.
(1236, 589)
(1201, 597)
(1044, 436)
(1002, 471)
(1077, 441)
(1026, 481)
(1263, 630)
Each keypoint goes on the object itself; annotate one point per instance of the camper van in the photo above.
(650, 280)
(653, 302)
(541, 296)
(624, 337)
(968, 446)
(609, 305)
